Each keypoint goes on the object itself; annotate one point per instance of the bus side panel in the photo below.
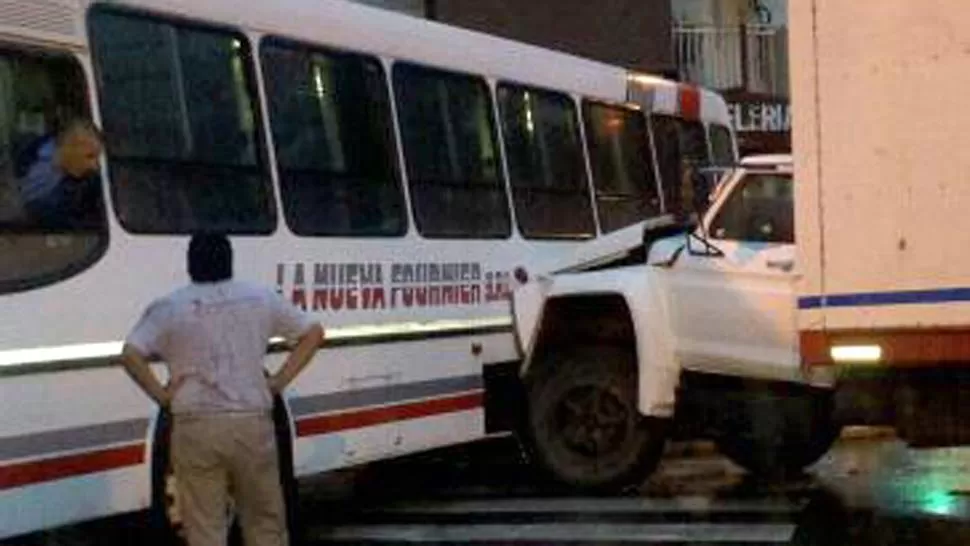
(431, 395)
(74, 445)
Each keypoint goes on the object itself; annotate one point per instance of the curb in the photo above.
(696, 448)
(867, 433)
(700, 448)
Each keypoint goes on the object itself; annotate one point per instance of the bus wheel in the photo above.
(778, 435)
(583, 425)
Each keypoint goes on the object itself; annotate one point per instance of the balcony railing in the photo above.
(748, 57)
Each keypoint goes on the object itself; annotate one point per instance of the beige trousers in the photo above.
(219, 457)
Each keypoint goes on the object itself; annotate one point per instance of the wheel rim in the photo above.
(592, 420)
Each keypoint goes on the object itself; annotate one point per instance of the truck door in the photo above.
(734, 310)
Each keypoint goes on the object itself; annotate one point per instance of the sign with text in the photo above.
(761, 116)
(762, 122)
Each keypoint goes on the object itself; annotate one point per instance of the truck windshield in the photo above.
(52, 222)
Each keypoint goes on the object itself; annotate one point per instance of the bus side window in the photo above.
(619, 154)
(547, 170)
(693, 143)
(696, 155)
(332, 128)
(52, 222)
(184, 150)
(666, 140)
(451, 151)
(721, 145)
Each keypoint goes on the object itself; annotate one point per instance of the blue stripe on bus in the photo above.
(869, 299)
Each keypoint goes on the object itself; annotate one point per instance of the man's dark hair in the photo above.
(64, 128)
(210, 258)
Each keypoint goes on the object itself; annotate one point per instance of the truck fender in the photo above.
(640, 288)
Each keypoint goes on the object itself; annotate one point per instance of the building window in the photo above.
(52, 221)
(546, 165)
(619, 153)
(333, 134)
(452, 158)
(183, 146)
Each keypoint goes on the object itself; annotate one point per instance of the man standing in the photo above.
(59, 186)
(213, 335)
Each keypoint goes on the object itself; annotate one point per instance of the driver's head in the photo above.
(79, 146)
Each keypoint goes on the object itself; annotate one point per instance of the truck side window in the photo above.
(760, 209)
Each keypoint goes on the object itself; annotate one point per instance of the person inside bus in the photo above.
(58, 177)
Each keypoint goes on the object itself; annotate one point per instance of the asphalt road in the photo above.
(870, 489)
(867, 490)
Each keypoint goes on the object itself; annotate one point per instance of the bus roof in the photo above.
(668, 97)
(349, 25)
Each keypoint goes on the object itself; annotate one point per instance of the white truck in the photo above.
(818, 290)
(701, 335)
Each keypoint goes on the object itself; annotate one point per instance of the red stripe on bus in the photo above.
(32, 472)
(690, 102)
(350, 420)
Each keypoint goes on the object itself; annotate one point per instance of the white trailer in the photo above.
(882, 201)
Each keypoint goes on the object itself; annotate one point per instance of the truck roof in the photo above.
(767, 160)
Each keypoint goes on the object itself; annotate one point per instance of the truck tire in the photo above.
(777, 435)
(583, 427)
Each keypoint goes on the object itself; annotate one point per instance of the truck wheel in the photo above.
(583, 425)
(776, 435)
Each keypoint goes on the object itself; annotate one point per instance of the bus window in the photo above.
(666, 141)
(52, 222)
(179, 116)
(619, 154)
(721, 145)
(332, 129)
(546, 167)
(451, 153)
(693, 143)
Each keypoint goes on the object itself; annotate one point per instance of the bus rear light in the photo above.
(856, 353)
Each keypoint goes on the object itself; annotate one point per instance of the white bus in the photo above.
(383, 171)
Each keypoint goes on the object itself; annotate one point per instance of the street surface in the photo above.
(869, 490)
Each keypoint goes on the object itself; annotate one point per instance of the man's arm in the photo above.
(137, 367)
(301, 355)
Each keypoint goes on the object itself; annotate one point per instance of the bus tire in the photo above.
(778, 435)
(583, 426)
